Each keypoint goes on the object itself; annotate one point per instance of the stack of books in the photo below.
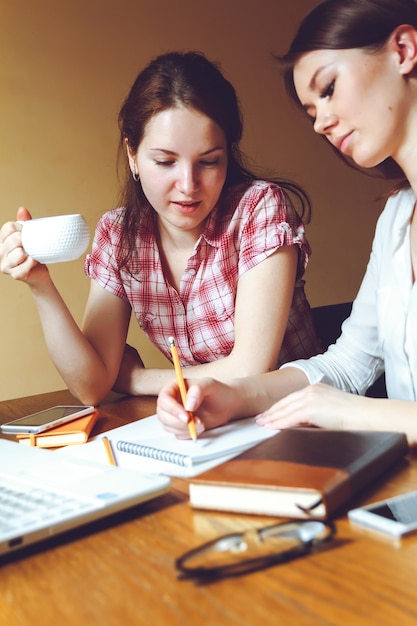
(74, 432)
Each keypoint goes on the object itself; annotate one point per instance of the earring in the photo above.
(135, 175)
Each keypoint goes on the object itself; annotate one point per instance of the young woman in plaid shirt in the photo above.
(200, 248)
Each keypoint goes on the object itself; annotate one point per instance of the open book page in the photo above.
(211, 448)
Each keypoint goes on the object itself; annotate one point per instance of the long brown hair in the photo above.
(348, 24)
(184, 79)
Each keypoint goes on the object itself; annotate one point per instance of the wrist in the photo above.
(39, 279)
(246, 397)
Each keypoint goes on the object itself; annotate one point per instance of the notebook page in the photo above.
(211, 448)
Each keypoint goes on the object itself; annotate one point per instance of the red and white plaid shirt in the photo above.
(251, 222)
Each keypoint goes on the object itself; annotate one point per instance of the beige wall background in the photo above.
(65, 69)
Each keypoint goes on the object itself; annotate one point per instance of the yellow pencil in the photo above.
(109, 452)
(181, 384)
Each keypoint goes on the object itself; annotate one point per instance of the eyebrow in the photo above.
(172, 153)
(312, 85)
(313, 81)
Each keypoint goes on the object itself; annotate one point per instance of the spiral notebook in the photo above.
(146, 446)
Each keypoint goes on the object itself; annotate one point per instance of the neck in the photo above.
(406, 155)
(175, 238)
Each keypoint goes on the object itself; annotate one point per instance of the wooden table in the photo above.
(121, 572)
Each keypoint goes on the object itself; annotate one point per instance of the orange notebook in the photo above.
(73, 432)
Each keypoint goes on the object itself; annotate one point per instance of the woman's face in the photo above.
(356, 100)
(182, 165)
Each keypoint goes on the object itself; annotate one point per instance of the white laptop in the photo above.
(44, 494)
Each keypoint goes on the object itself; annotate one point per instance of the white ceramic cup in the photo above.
(55, 239)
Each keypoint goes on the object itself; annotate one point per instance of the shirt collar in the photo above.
(406, 200)
(213, 230)
(220, 217)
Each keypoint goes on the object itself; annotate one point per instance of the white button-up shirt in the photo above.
(381, 333)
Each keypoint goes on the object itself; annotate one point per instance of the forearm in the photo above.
(74, 357)
(383, 415)
(255, 394)
(238, 364)
(261, 390)
(141, 381)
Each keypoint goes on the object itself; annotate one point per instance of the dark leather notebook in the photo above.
(300, 472)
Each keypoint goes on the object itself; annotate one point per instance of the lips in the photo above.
(342, 143)
(187, 207)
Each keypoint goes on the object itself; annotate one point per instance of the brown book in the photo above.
(70, 433)
(300, 472)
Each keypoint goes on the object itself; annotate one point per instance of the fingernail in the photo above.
(183, 417)
(199, 426)
(190, 404)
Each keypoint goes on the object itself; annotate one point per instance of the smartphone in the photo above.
(395, 516)
(44, 420)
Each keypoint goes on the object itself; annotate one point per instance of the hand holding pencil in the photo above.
(181, 384)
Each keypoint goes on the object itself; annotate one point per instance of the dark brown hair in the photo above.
(348, 24)
(184, 79)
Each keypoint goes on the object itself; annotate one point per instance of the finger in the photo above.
(15, 257)
(275, 412)
(7, 230)
(23, 271)
(172, 414)
(14, 261)
(281, 423)
(286, 413)
(23, 214)
(203, 391)
(194, 398)
(180, 432)
(169, 408)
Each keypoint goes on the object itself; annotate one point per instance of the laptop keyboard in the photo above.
(23, 505)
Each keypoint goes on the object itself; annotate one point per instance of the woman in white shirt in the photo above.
(353, 68)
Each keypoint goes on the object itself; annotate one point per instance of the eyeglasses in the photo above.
(240, 553)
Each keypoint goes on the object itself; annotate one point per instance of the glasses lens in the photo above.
(310, 531)
(255, 548)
